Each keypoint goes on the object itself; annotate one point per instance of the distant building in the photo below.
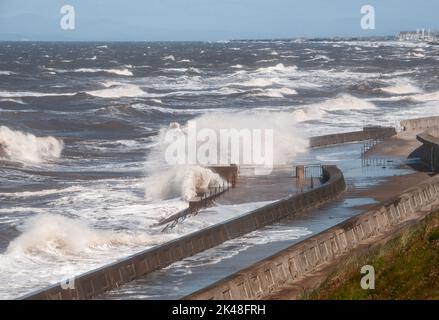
(419, 35)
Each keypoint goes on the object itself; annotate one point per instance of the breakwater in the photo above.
(420, 123)
(368, 133)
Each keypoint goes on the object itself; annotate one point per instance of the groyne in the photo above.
(368, 133)
(302, 259)
(93, 283)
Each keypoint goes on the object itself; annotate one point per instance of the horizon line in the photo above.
(219, 41)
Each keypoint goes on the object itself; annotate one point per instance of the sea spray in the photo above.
(186, 175)
(59, 236)
(20, 146)
(181, 181)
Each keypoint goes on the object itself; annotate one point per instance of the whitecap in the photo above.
(20, 146)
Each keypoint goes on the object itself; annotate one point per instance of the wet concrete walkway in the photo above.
(280, 183)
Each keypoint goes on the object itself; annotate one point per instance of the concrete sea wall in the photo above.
(368, 133)
(430, 147)
(299, 260)
(228, 173)
(420, 123)
(93, 283)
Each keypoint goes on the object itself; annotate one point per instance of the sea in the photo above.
(82, 177)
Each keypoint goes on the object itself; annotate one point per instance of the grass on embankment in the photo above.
(406, 267)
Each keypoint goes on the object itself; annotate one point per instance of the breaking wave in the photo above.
(401, 87)
(181, 181)
(275, 93)
(17, 101)
(56, 235)
(172, 172)
(279, 68)
(118, 90)
(20, 94)
(119, 72)
(340, 103)
(16, 145)
(425, 97)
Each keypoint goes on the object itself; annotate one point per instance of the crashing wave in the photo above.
(341, 103)
(117, 90)
(19, 146)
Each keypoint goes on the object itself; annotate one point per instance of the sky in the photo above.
(209, 20)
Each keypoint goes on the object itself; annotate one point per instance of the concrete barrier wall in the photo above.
(430, 147)
(368, 133)
(301, 259)
(228, 173)
(95, 282)
(420, 123)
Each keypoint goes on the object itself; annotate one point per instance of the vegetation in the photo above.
(406, 267)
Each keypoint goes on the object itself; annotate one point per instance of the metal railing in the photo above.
(368, 145)
(202, 201)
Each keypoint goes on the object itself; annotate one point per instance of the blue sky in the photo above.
(210, 19)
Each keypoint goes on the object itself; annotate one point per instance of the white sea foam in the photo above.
(166, 180)
(117, 90)
(119, 72)
(53, 247)
(6, 73)
(321, 57)
(343, 102)
(183, 181)
(16, 145)
(177, 70)
(57, 235)
(258, 82)
(401, 87)
(186, 111)
(169, 58)
(18, 101)
(275, 93)
(19, 94)
(279, 68)
(416, 55)
(425, 97)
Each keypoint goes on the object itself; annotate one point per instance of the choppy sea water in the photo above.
(74, 198)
